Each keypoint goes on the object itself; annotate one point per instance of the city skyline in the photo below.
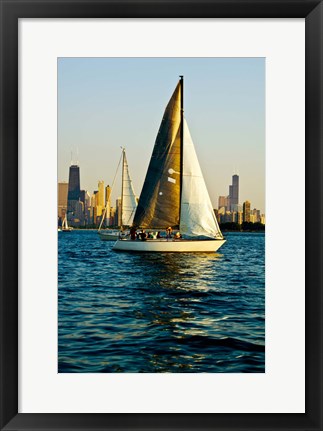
(98, 209)
(104, 104)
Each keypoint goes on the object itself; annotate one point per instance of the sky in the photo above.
(108, 103)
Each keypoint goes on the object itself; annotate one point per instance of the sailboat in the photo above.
(65, 226)
(174, 195)
(127, 208)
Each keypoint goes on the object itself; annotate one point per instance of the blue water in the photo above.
(147, 313)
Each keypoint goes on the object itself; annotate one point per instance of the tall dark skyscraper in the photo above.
(74, 192)
(234, 193)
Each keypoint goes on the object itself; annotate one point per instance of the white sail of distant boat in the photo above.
(128, 204)
(128, 197)
(174, 193)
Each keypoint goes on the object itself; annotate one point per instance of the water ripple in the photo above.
(120, 312)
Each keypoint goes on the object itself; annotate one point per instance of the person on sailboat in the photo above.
(169, 231)
(143, 235)
(133, 235)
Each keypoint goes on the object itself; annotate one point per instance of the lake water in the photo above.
(148, 313)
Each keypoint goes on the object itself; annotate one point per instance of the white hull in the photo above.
(170, 246)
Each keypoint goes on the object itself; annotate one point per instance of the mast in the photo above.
(122, 180)
(181, 145)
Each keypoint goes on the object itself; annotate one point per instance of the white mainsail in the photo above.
(197, 215)
(129, 201)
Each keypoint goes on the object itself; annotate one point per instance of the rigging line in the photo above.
(106, 205)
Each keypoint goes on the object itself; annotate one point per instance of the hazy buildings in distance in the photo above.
(230, 211)
(83, 209)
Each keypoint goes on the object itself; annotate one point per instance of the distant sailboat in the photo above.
(174, 193)
(65, 226)
(128, 204)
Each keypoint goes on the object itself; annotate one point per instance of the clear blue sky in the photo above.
(105, 103)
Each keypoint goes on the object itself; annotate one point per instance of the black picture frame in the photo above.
(11, 11)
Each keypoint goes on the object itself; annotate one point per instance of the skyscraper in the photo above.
(85, 198)
(62, 199)
(101, 194)
(246, 211)
(73, 188)
(223, 202)
(107, 205)
(107, 193)
(234, 193)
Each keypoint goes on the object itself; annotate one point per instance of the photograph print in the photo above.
(161, 215)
